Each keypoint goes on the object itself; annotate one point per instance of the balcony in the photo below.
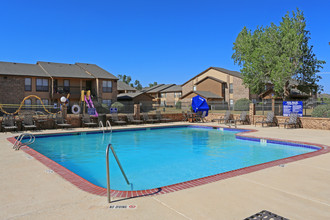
(75, 91)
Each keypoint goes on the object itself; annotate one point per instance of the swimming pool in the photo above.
(157, 157)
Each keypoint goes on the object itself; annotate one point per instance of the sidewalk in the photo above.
(298, 190)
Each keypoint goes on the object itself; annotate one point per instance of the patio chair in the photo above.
(242, 118)
(191, 117)
(200, 116)
(131, 119)
(293, 120)
(184, 116)
(29, 122)
(226, 118)
(86, 120)
(146, 118)
(114, 118)
(160, 118)
(61, 122)
(8, 123)
(268, 120)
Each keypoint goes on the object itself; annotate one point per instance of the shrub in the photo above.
(322, 111)
(118, 105)
(178, 105)
(242, 105)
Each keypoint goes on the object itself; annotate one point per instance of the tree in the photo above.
(127, 79)
(278, 55)
(153, 84)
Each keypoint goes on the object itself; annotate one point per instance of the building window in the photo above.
(28, 84)
(163, 95)
(42, 85)
(107, 86)
(194, 88)
(28, 104)
(107, 102)
(66, 85)
(177, 95)
(231, 88)
(231, 103)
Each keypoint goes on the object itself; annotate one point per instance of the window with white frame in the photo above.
(194, 88)
(28, 84)
(107, 102)
(66, 85)
(231, 103)
(177, 95)
(163, 95)
(42, 85)
(107, 86)
(231, 88)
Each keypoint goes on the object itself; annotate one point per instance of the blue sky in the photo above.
(163, 41)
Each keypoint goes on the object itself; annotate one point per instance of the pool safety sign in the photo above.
(292, 107)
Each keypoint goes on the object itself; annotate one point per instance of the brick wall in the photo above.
(239, 89)
(11, 89)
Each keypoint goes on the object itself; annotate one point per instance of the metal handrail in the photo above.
(108, 125)
(17, 145)
(101, 126)
(108, 169)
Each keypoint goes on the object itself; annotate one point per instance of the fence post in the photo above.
(252, 112)
(273, 105)
(137, 111)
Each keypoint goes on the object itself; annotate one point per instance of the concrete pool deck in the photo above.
(298, 190)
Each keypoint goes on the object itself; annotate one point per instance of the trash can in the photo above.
(103, 118)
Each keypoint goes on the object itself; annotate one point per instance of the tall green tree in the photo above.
(153, 84)
(128, 80)
(278, 55)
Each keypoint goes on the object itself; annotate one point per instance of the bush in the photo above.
(322, 111)
(118, 105)
(242, 105)
(178, 105)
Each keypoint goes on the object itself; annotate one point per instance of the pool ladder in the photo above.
(108, 169)
(107, 126)
(18, 144)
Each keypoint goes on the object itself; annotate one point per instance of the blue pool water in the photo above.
(154, 158)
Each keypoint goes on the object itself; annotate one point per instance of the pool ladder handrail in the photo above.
(17, 145)
(107, 124)
(108, 169)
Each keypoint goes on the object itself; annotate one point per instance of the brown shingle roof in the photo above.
(230, 72)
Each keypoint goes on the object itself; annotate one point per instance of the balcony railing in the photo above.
(74, 90)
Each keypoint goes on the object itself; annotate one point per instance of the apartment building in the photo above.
(164, 94)
(50, 81)
(216, 84)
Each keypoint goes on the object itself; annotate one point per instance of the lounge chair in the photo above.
(146, 118)
(225, 119)
(200, 116)
(114, 118)
(86, 120)
(293, 120)
(61, 122)
(28, 122)
(242, 118)
(268, 120)
(160, 118)
(131, 119)
(8, 123)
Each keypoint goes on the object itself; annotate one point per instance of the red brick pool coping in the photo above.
(85, 185)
